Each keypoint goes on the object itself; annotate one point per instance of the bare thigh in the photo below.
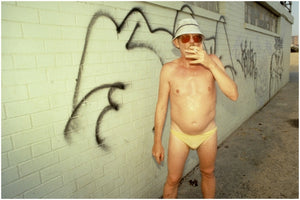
(177, 155)
(207, 153)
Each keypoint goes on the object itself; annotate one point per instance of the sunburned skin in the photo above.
(192, 98)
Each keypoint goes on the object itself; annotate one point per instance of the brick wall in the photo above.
(60, 63)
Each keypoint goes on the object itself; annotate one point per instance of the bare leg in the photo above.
(207, 156)
(177, 154)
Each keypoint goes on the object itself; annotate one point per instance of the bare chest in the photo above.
(192, 83)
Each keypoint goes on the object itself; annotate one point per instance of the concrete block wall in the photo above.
(60, 62)
(260, 59)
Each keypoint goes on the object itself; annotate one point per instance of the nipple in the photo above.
(177, 91)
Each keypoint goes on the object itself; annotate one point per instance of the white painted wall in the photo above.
(42, 52)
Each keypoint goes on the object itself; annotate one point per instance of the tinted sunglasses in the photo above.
(186, 38)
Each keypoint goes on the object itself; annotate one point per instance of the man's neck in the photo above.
(185, 63)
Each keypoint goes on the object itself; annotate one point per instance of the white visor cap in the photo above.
(187, 26)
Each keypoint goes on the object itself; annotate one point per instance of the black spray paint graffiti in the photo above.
(119, 27)
(248, 60)
(129, 46)
(112, 105)
(276, 66)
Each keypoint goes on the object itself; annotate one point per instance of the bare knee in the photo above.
(173, 180)
(208, 172)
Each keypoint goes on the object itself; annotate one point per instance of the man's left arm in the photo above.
(226, 84)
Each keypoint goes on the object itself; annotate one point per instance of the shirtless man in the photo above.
(189, 81)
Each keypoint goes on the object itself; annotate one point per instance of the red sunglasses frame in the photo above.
(186, 38)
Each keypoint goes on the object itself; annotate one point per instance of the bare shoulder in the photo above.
(169, 67)
(172, 64)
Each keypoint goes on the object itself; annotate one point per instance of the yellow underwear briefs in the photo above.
(194, 141)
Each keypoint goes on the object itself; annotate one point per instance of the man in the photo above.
(189, 82)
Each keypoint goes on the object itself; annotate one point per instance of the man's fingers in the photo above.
(162, 157)
(159, 158)
(190, 51)
(195, 62)
(192, 56)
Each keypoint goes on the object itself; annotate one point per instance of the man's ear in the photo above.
(176, 43)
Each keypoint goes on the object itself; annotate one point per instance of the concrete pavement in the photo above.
(260, 159)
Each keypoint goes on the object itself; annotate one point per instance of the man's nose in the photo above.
(192, 40)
